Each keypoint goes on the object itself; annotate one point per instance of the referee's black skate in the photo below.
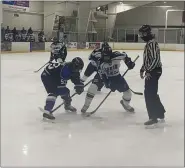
(127, 108)
(152, 123)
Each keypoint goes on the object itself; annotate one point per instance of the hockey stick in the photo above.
(71, 97)
(94, 111)
(41, 67)
(136, 93)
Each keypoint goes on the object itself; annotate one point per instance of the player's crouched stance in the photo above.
(112, 77)
(93, 66)
(55, 77)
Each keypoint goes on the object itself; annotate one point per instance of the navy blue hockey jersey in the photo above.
(62, 73)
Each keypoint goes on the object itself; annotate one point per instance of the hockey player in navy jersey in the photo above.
(109, 72)
(58, 51)
(55, 77)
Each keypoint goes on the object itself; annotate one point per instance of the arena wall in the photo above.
(16, 47)
(20, 47)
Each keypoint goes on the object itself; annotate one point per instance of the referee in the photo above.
(151, 70)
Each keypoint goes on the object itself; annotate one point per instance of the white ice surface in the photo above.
(109, 138)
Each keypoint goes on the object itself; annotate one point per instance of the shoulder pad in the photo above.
(124, 53)
(97, 50)
(95, 55)
(116, 53)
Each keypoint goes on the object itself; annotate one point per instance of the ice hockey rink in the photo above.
(111, 137)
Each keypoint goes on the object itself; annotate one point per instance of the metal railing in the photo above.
(175, 36)
(169, 35)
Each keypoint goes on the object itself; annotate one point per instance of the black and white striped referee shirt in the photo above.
(151, 56)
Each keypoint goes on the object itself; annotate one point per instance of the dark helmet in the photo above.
(107, 50)
(65, 36)
(106, 54)
(105, 44)
(145, 32)
(55, 39)
(77, 64)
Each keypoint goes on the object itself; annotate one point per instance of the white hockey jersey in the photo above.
(112, 69)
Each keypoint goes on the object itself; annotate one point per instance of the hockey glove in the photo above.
(142, 73)
(129, 63)
(79, 88)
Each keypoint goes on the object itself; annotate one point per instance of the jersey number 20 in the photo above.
(53, 65)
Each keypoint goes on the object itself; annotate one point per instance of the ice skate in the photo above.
(128, 108)
(99, 90)
(152, 123)
(47, 114)
(70, 108)
(161, 122)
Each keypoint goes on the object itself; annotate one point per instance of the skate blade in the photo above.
(153, 126)
(87, 114)
(72, 112)
(48, 120)
(46, 116)
(130, 112)
(157, 125)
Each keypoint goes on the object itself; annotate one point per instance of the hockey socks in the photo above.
(125, 102)
(67, 103)
(50, 102)
(89, 97)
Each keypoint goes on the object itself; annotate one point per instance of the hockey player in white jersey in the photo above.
(58, 51)
(92, 67)
(110, 74)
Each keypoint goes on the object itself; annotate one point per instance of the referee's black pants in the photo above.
(153, 104)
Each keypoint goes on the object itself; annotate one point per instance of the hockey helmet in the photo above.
(77, 64)
(55, 40)
(105, 44)
(145, 33)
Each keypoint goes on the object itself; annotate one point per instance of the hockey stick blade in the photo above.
(136, 93)
(88, 114)
(71, 97)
